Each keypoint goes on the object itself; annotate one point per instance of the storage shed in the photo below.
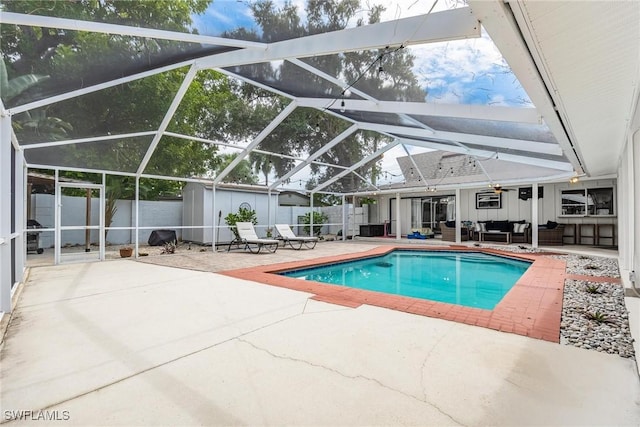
(199, 215)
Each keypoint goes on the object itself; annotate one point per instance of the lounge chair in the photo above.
(294, 241)
(250, 239)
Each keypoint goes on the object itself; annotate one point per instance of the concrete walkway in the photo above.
(128, 343)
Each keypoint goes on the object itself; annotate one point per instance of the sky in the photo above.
(464, 71)
(458, 72)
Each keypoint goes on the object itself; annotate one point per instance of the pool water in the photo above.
(471, 279)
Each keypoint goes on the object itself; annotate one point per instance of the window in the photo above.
(488, 201)
(588, 201)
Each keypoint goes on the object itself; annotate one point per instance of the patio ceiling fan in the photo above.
(497, 188)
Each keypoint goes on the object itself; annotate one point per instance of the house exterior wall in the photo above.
(629, 206)
(513, 208)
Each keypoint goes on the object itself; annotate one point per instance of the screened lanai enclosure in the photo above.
(110, 109)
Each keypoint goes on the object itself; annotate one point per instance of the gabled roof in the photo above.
(441, 169)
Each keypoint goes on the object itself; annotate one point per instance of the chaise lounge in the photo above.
(251, 241)
(296, 242)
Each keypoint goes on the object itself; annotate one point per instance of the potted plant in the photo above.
(126, 252)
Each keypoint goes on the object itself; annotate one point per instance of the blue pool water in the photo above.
(471, 279)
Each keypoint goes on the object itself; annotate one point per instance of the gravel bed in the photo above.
(592, 266)
(594, 315)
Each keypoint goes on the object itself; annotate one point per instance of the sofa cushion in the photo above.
(503, 226)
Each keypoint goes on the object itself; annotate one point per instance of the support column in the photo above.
(353, 222)
(57, 235)
(345, 216)
(102, 236)
(398, 221)
(632, 231)
(268, 210)
(214, 229)
(458, 214)
(5, 213)
(87, 221)
(311, 214)
(137, 224)
(20, 203)
(534, 215)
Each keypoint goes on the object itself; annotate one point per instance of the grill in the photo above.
(33, 236)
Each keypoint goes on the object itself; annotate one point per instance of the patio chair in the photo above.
(251, 240)
(296, 242)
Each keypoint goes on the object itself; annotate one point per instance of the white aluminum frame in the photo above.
(59, 228)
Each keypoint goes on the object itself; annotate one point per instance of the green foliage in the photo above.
(593, 289)
(368, 201)
(599, 317)
(169, 248)
(9, 89)
(298, 134)
(214, 107)
(241, 174)
(243, 215)
(71, 57)
(319, 218)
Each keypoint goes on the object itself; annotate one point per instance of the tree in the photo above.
(214, 107)
(33, 48)
(298, 134)
(71, 57)
(241, 174)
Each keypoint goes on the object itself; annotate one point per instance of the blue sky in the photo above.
(460, 72)
(223, 15)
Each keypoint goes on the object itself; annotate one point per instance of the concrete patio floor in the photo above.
(130, 343)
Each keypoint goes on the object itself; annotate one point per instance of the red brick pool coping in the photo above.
(533, 307)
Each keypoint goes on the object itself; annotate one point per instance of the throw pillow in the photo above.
(551, 225)
(519, 228)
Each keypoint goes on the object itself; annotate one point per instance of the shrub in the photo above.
(593, 289)
(243, 215)
(319, 218)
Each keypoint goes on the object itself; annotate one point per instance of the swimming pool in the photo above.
(471, 279)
